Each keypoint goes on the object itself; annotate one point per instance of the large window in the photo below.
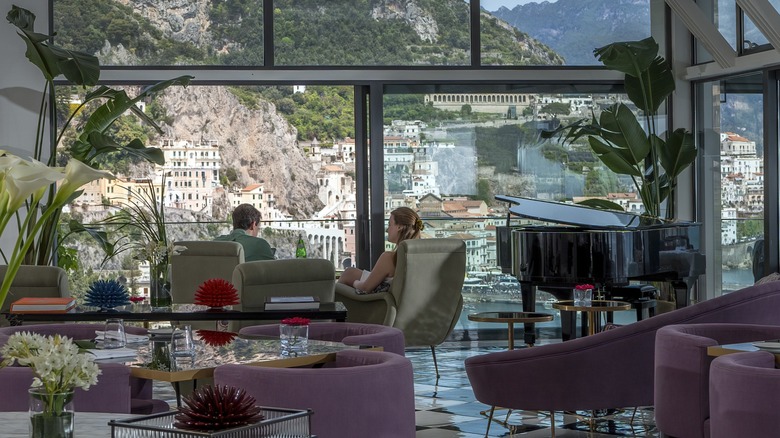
(732, 150)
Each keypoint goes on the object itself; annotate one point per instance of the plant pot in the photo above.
(159, 286)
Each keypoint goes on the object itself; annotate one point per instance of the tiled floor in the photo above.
(447, 408)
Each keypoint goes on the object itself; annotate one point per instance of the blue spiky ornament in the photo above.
(107, 294)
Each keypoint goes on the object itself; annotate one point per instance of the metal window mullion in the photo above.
(376, 171)
(771, 179)
(362, 216)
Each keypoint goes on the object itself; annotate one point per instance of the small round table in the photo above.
(596, 307)
(510, 318)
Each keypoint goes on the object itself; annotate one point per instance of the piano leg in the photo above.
(528, 294)
(682, 293)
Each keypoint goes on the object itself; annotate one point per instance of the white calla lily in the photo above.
(29, 178)
(76, 175)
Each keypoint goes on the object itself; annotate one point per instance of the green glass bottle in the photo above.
(300, 248)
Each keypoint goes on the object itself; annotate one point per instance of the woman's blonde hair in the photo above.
(409, 224)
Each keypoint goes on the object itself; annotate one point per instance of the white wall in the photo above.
(21, 85)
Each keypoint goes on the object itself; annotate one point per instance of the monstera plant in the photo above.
(100, 108)
(628, 147)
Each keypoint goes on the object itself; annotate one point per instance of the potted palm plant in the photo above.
(630, 147)
(93, 139)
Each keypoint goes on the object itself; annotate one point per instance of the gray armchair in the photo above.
(201, 261)
(278, 278)
(425, 298)
(34, 281)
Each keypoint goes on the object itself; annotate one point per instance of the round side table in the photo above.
(510, 319)
(593, 310)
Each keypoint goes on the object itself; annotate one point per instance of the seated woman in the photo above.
(404, 224)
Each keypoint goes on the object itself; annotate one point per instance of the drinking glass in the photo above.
(114, 333)
(294, 338)
(182, 344)
(583, 297)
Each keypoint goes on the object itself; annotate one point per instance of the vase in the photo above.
(583, 297)
(294, 339)
(51, 414)
(159, 286)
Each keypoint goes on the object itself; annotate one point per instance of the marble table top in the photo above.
(88, 424)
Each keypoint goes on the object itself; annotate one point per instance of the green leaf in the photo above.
(678, 152)
(629, 57)
(88, 147)
(602, 204)
(101, 237)
(613, 157)
(78, 67)
(655, 85)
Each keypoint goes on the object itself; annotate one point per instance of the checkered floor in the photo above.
(448, 409)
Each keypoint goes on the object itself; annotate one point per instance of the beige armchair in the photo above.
(201, 261)
(278, 278)
(425, 298)
(34, 281)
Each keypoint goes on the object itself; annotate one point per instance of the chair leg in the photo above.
(435, 364)
(552, 424)
(490, 420)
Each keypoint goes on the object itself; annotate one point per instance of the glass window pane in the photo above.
(752, 35)
(448, 153)
(349, 32)
(547, 32)
(733, 139)
(213, 33)
(723, 15)
(286, 150)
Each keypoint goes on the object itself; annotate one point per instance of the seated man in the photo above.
(246, 219)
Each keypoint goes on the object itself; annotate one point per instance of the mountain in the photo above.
(573, 28)
(359, 32)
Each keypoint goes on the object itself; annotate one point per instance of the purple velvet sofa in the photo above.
(682, 372)
(610, 369)
(116, 391)
(366, 394)
(744, 396)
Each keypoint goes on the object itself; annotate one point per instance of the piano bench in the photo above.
(641, 296)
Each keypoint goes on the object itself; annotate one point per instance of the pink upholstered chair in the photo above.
(744, 395)
(390, 339)
(366, 394)
(139, 391)
(682, 372)
(111, 394)
(619, 363)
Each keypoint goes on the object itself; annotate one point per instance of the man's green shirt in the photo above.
(255, 248)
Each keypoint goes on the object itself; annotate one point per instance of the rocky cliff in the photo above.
(259, 144)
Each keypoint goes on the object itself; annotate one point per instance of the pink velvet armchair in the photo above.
(744, 395)
(610, 369)
(366, 394)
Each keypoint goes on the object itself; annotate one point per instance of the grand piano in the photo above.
(606, 248)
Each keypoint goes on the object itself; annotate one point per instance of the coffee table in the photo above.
(593, 311)
(212, 349)
(510, 319)
(180, 312)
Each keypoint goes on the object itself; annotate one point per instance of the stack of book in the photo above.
(292, 303)
(43, 305)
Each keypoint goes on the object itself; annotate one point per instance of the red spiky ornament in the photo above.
(215, 338)
(216, 292)
(216, 408)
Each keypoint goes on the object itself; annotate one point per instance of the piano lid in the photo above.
(572, 214)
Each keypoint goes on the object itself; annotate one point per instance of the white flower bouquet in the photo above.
(55, 360)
